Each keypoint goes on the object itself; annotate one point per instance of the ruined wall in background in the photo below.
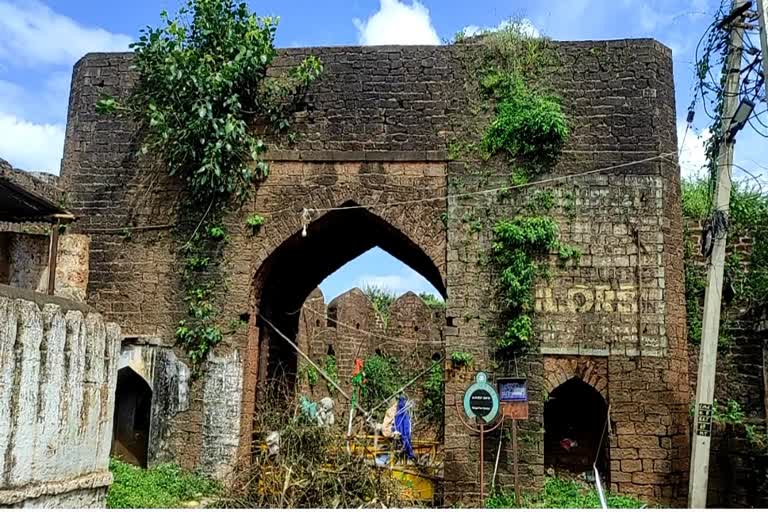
(57, 384)
(349, 327)
(738, 475)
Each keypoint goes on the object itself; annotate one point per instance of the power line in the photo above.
(494, 190)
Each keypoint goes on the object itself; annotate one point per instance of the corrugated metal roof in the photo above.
(20, 204)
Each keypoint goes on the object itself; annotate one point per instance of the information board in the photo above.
(481, 400)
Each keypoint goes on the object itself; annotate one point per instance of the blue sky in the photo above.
(40, 40)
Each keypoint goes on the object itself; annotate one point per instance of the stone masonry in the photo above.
(349, 327)
(376, 133)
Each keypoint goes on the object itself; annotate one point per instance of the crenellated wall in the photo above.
(58, 370)
(351, 328)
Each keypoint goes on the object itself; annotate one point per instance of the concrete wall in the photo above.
(57, 383)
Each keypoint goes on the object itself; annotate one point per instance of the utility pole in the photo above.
(762, 15)
(705, 383)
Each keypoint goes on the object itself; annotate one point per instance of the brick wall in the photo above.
(623, 304)
(376, 131)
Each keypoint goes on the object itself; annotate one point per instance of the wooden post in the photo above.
(515, 456)
(705, 384)
(53, 256)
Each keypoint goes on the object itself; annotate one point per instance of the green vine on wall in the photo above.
(746, 266)
(203, 87)
(520, 248)
(526, 130)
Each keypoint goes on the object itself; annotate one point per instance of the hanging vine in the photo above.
(202, 88)
(525, 131)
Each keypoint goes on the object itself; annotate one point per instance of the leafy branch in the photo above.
(204, 101)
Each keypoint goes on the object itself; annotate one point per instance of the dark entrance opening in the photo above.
(574, 423)
(300, 264)
(133, 404)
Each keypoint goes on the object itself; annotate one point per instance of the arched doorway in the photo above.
(300, 263)
(575, 417)
(133, 406)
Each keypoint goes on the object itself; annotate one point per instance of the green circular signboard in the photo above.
(481, 400)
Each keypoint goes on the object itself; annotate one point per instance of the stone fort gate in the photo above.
(371, 162)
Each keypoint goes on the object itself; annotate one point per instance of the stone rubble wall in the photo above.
(57, 388)
(354, 329)
(738, 474)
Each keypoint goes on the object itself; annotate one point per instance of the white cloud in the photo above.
(30, 146)
(397, 22)
(399, 283)
(34, 34)
(526, 27)
(33, 111)
(692, 149)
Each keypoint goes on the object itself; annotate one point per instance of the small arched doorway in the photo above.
(575, 437)
(133, 406)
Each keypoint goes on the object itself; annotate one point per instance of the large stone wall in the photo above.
(57, 384)
(376, 133)
(621, 305)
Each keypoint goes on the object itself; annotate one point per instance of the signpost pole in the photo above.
(514, 455)
(482, 463)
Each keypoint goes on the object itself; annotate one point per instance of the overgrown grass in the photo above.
(563, 493)
(433, 301)
(164, 486)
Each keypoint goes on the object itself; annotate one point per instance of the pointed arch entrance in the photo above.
(300, 263)
(133, 408)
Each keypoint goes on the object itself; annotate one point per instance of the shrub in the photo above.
(164, 486)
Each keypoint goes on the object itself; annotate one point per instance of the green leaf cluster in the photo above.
(202, 85)
(528, 125)
(381, 298)
(255, 221)
(432, 301)
(163, 486)
(745, 273)
(331, 369)
(204, 100)
(433, 393)
(382, 379)
(462, 359)
(309, 374)
(518, 245)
